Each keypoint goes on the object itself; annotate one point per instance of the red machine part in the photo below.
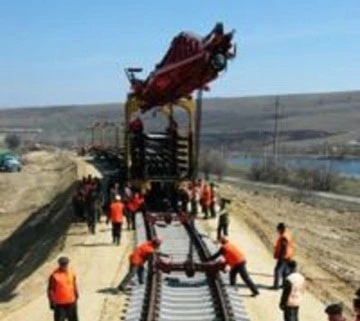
(190, 64)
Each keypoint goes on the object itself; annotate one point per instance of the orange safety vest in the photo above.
(289, 248)
(206, 196)
(134, 204)
(62, 287)
(233, 255)
(117, 212)
(139, 256)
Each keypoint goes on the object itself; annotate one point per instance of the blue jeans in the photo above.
(281, 271)
(139, 270)
(241, 269)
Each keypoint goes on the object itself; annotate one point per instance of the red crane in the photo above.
(190, 63)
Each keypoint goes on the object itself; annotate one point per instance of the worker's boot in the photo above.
(254, 294)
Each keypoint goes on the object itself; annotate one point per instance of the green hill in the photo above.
(244, 122)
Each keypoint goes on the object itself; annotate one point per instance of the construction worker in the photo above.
(137, 260)
(206, 200)
(117, 218)
(115, 190)
(63, 293)
(133, 206)
(223, 223)
(90, 209)
(184, 197)
(78, 204)
(136, 126)
(293, 291)
(235, 258)
(335, 312)
(356, 306)
(213, 203)
(283, 252)
(195, 198)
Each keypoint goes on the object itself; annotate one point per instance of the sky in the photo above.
(74, 52)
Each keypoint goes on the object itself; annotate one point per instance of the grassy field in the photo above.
(237, 123)
(346, 186)
(349, 186)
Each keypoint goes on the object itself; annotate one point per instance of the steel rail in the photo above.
(176, 297)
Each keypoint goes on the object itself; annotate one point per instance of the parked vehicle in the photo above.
(10, 163)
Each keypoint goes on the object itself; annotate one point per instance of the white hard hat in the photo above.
(118, 197)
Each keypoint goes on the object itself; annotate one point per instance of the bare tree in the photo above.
(12, 141)
(212, 162)
(205, 165)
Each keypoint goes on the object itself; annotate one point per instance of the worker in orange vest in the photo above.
(63, 293)
(134, 205)
(206, 200)
(137, 260)
(117, 218)
(293, 291)
(335, 312)
(235, 258)
(283, 252)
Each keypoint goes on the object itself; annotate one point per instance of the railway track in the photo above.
(175, 296)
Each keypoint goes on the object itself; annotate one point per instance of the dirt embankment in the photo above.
(98, 264)
(327, 241)
(35, 212)
(43, 177)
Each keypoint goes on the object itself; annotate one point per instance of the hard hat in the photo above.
(63, 261)
(117, 197)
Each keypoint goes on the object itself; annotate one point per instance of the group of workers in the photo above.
(88, 201)
(198, 197)
(195, 197)
(201, 197)
(90, 204)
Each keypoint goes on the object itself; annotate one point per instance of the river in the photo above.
(346, 167)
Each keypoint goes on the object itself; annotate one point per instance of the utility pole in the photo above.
(197, 132)
(276, 128)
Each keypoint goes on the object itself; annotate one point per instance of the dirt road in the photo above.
(260, 264)
(98, 264)
(327, 242)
